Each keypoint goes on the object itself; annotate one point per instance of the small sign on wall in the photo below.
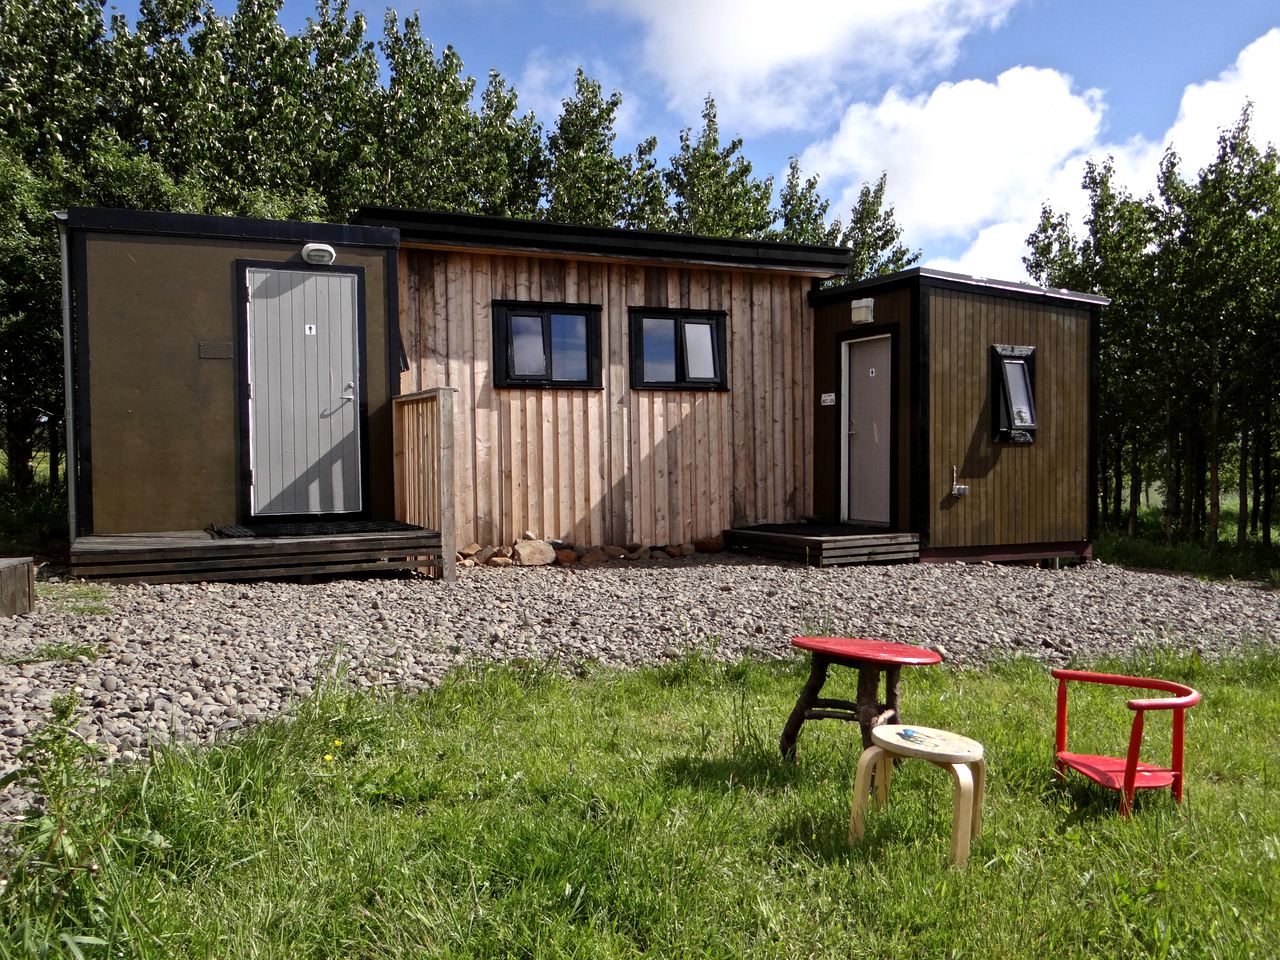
(311, 329)
(828, 399)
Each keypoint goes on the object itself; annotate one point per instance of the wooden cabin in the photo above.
(612, 386)
(229, 394)
(960, 410)
(254, 398)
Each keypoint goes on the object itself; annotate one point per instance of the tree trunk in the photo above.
(1256, 473)
(1135, 487)
(19, 447)
(1171, 478)
(1268, 484)
(1215, 464)
(1117, 485)
(1242, 521)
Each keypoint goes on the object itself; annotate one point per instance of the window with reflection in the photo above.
(546, 345)
(678, 350)
(1013, 393)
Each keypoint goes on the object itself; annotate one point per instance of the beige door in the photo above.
(868, 405)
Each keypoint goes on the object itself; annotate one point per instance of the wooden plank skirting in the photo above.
(17, 586)
(825, 551)
(163, 558)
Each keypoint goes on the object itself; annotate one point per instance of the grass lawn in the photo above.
(521, 813)
(1237, 561)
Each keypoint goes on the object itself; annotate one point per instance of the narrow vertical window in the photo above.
(1013, 394)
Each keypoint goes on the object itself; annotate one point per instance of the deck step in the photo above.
(168, 558)
(824, 550)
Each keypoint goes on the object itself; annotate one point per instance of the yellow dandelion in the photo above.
(328, 758)
(337, 743)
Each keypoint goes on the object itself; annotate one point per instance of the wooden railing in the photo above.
(423, 426)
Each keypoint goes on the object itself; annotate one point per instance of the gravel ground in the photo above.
(190, 661)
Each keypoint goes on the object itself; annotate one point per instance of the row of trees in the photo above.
(187, 110)
(1189, 378)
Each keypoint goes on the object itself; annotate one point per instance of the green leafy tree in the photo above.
(874, 235)
(645, 205)
(712, 187)
(510, 160)
(586, 181)
(801, 216)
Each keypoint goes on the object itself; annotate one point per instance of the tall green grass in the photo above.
(519, 813)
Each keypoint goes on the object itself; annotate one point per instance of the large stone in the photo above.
(709, 544)
(496, 561)
(640, 553)
(687, 549)
(470, 550)
(482, 557)
(594, 558)
(503, 552)
(532, 553)
(566, 558)
(614, 552)
(673, 550)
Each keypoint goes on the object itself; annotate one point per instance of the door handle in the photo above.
(349, 391)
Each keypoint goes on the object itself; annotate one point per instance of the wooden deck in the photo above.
(195, 555)
(824, 546)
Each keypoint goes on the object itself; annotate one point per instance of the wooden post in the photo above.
(17, 586)
(443, 507)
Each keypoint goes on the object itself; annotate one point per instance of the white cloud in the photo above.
(1208, 107)
(967, 155)
(777, 66)
(971, 163)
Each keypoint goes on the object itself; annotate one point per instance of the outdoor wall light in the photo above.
(319, 253)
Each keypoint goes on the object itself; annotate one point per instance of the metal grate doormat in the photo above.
(332, 528)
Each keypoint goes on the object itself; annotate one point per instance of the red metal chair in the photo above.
(1128, 773)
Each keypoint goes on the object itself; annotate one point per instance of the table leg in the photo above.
(891, 693)
(868, 708)
(808, 696)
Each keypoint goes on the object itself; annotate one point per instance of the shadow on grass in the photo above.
(749, 767)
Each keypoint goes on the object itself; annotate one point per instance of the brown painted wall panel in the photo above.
(1019, 494)
(615, 465)
(164, 422)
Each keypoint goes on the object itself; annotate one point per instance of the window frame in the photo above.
(716, 319)
(504, 376)
(1005, 357)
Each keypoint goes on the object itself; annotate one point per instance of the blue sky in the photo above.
(979, 110)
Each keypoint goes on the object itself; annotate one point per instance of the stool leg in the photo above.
(962, 820)
(861, 793)
(883, 773)
(979, 792)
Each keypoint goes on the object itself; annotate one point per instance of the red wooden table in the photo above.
(870, 658)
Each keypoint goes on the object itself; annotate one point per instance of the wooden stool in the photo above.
(960, 755)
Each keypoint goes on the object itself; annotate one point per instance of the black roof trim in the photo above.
(471, 230)
(152, 223)
(944, 278)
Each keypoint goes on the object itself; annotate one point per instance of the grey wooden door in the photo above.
(869, 405)
(303, 378)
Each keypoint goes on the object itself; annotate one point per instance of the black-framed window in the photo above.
(1013, 393)
(546, 345)
(678, 350)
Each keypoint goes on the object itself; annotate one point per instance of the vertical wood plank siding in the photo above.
(1034, 493)
(615, 465)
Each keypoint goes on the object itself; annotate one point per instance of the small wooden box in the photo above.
(17, 586)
